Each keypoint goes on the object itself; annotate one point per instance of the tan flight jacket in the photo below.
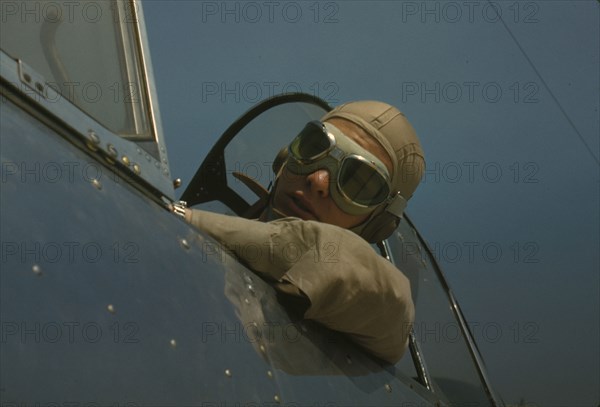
(349, 287)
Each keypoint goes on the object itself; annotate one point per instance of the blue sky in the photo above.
(507, 113)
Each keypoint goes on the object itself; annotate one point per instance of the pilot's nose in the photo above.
(319, 182)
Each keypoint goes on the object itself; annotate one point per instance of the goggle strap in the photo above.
(396, 205)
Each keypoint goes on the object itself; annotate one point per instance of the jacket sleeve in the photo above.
(349, 287)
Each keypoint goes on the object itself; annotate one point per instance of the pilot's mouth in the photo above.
(303, 208)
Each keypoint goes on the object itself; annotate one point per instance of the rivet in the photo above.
(112, 150)
(96, 184)
(166, 171)
(262, 348)
(184, 243)
(248, 279)
(269, 374)
(423, 262)
(36, 270)
(125, 160)
(400, 236)
(246, 300)
(93, 140)
(137, 169)
(250, 288)
(176, 183)
(276, 398)
(111, 308)
(227, 372)
(156, 164)
(52, 14)
(173, 343)
(93, 137)
(388, 388)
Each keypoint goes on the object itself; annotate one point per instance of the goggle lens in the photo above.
(361, 183)
(312, 142)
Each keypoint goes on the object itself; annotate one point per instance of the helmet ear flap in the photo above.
(380, 227)
(383, 221)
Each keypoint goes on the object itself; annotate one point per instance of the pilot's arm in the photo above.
(343, 283)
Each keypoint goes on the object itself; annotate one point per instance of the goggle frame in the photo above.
(334, 157)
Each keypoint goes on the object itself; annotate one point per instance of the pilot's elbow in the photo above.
(399, 336)
(397, 353)
(387, 338)
(394, 348)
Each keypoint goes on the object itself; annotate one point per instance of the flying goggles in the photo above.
(359, 181)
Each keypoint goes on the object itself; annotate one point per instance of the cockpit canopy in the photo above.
(91, 55)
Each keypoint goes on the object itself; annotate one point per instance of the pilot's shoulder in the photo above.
(312, 228)
(347, 245)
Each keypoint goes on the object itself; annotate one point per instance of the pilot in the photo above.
(341, 184)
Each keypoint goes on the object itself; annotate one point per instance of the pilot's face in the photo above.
(307, 196)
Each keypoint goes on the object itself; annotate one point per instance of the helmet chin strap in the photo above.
(359, 228)
(271, 213)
